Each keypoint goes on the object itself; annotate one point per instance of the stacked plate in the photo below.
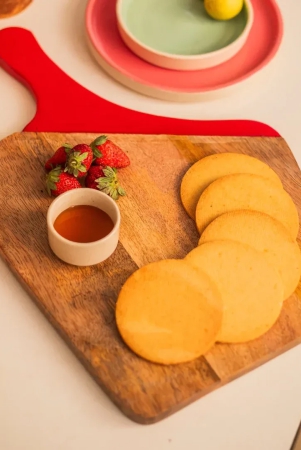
(173, 50)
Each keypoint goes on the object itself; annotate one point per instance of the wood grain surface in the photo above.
(80, 302)
(10, 8)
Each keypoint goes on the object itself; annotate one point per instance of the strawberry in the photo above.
(79, 160)
(94, 173)
(58, 182)
(59, 158)
(108, 154)
(104, 179)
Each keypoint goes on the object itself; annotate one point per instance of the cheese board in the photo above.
(80, 302)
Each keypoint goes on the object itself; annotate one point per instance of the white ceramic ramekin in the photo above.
(183, 62)
(76, 253)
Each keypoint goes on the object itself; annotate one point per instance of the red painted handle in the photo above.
(65, 106)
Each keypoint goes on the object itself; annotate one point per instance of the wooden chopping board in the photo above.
(80, 302)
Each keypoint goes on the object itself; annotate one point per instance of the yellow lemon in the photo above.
(223, 9)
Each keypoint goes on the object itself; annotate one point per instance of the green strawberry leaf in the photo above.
(83, 168)
(82, 157)
(104, 182)
(114, 195)
(67, 147)
(97, 153)
(98, 142)
(52, 178)
(121, 191)
(109, 172)
(52, 185)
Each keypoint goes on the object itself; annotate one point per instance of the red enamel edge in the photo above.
(82, 111)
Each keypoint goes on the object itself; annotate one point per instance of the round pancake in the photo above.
(251, 288)
(169, 313)
(246, 191)
(209, 169)
(265, 234)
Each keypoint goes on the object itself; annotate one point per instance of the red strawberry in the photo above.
(79, 160)
(58, 182)
(94, 173)
(109, 154)
(59, 158)
(104, 179)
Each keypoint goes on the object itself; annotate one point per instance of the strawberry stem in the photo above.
(67, 147)
(99, 141)
(52, 178)
(109, 184)
(74, 163)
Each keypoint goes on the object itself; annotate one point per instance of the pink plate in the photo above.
(123, 65)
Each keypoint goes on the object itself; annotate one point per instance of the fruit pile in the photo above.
(93, 166)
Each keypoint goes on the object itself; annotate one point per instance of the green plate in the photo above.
(180, 27)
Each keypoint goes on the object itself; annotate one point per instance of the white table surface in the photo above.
(47, 400)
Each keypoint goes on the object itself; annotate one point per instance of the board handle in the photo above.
(65, 106)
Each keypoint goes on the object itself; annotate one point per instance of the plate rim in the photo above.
(133, 81)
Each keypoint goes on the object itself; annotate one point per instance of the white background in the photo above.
(47, 400)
